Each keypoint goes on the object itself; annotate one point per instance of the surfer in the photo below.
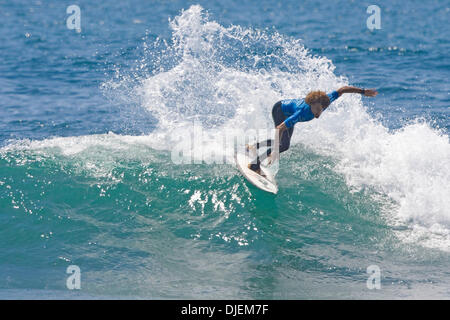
(286, 113)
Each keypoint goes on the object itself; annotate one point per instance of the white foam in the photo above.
(218, 79)
(410, 165)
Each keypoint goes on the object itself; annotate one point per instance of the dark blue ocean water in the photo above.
(86, 177)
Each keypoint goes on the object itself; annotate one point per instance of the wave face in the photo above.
(228, 78)
(115, 204)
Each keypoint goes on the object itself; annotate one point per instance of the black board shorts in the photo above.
(278, 117)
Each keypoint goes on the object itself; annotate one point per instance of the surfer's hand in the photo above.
(281, 127)
(370, 92)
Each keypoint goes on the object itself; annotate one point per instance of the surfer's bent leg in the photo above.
(278, 117)
(266, 143)
(286, 139)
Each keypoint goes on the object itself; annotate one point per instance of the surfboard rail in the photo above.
(267, 184)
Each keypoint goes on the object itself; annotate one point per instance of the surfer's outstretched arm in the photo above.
(350, 89)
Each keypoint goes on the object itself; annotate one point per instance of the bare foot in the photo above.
(250, 149)
(258, 171)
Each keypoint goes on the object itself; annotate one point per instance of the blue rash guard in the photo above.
(297, 110)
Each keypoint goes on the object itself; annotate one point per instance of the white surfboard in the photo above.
(267, 183)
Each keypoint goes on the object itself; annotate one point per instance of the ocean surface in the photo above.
(88, 122)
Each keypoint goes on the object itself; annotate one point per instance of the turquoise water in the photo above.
(89, 121)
